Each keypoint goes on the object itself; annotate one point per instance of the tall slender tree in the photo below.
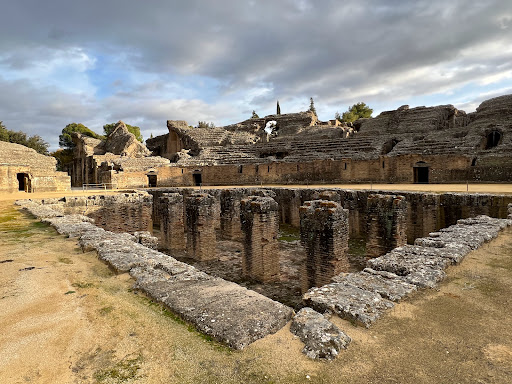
(278, 112)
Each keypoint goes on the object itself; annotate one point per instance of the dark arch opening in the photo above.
(198, 178)
(421, 172)
(152, 180)
(23, 182)
(493, 139)
(473, 162)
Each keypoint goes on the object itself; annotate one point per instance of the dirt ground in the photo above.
(66, 318)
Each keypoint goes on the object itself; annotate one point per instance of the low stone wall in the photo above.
(200, 223)
(172, 222)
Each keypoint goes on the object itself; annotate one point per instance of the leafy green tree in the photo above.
(108, 128)
(63, 156)
(356, 111)
(19, 137)
(254, 115)
(312, 106)
(65, 140)
(4, 133)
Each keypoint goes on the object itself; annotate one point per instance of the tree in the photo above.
(356, 111)
(278, 112)
(109, 128)
(35, 142)
(254, 115)
(204, 124)
(312, 106)
(65, 140)
(63, 156)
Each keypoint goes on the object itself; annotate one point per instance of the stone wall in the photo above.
(260, 225)
(23, 169)
(172, 222)
(387, 223)
(324, 233)
(200, 222)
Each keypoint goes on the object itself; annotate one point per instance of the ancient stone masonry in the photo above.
(260, 225)
(226, 311)
(172, 223)
(363, 297)
(200, 222)
(510, 211)
(23, 169)
(387, 215)
(230, 227)
(324, 233)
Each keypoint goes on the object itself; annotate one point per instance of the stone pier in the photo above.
(260, 225)
(230, 228)
(324, 233)
(172, 223)
(387, 224)
(200, 222)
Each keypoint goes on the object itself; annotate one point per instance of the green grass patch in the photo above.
(82, 285)
(288, 233)
(122, 371)
(70, 292)
(106, 310)
(65, 260)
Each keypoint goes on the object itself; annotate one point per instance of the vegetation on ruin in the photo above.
(254, 115)
(356, 111)
(18, 137)
(278, 111)
(108, 128)
(63, 156)
(65, 140)
(312, 106)
(204, 124)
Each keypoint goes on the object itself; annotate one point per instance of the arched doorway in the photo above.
(421, 172)
(23, 182)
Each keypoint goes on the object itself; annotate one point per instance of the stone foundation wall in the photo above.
(230, 226)
(127, 212)
(200, 223)
(324, 233)
(172, 222)
(387, 224)
(260, 225)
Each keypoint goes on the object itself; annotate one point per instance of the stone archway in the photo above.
(24, 182)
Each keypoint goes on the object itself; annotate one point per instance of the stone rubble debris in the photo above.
(321, 338)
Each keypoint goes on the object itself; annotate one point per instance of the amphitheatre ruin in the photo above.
(243, 230)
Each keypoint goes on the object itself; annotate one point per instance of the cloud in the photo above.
(147, 62)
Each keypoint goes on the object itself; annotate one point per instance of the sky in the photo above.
(146, 62)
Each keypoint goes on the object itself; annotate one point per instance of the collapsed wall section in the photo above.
(172, 222)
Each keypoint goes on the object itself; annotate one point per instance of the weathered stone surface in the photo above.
(230, 313)
(260, 226)
(510, 212)
(321, 338)
(146, 239)
(200, 223)
(386, 284)
(324, 234)
(387, 224)
(349, 302)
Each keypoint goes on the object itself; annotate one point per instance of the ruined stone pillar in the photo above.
(260, 225)
(324, 233)
(387, 224)
(509, 212)
(230, 227)
(200, 221)
(172, 223)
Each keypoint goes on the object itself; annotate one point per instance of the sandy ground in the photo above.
(71, 320)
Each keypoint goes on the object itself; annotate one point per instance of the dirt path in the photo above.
(70, 320)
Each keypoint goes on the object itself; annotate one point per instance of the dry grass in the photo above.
(71, 320)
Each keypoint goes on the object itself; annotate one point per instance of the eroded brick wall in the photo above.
(200, 224)
(387, 224)
(260, 225)
(230, 227)
(324, 233)
(172, 222)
